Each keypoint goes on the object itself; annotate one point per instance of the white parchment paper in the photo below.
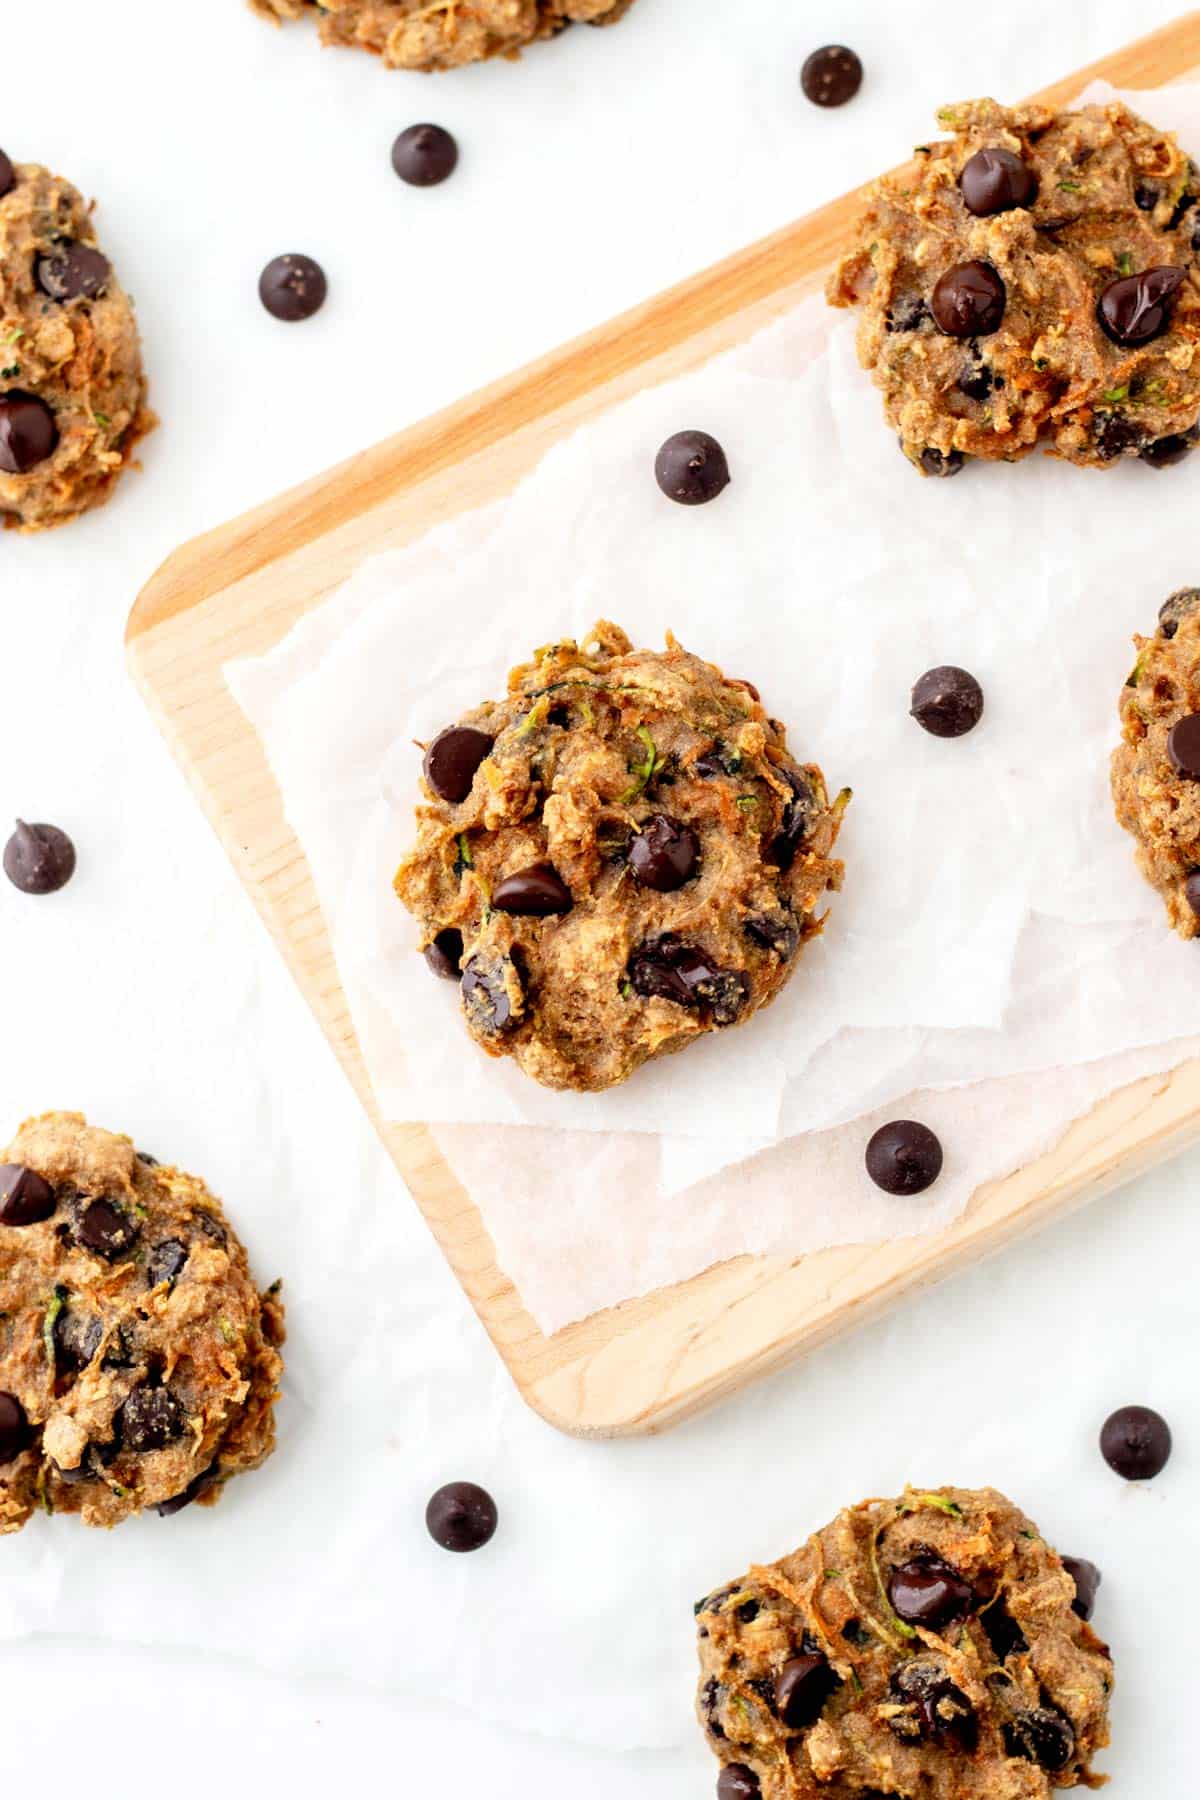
(994, 965)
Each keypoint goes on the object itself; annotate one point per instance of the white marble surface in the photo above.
(600, 169)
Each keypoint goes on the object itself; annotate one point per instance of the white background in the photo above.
(594, 172)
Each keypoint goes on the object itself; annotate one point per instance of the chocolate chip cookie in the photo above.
(616, 859)
(72, 391)
(1156, 767)
(1032, 280)
(412, 34)
(933, 1645)
(139, 1364)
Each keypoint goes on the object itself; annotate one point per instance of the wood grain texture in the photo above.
(238, 590)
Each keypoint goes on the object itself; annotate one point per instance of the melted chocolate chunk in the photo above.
(664, 854)
(1165, 452)
(150, 1419)
(1087, 1578)
(104, 1229)
(485, 993)
(15, 1433)
(933, 1706)
(969, 300)
(1041, 1736)
(1136, 309)
(28, 434)
(669, 968)
(25, 1198)
(925, 1590)
(534, 893)
(996, 181)
(444, 954)
(1183, 746)
(452, 759)
(200, 1484)
(802, 1687)
(773, 931)
(77, 1336)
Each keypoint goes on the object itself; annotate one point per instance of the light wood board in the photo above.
(238, 590)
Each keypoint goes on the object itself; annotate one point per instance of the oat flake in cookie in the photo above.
(923, 1648)
(139, 1364)
(1032, 281)
(629, 852)
(412, 34)
(72, 392)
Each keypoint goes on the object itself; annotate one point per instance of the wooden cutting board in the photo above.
(238, 590)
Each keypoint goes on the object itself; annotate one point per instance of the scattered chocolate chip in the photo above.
(795, 824)
(104, 1229)
(166, 1262)
(200, 1484)
(691, 468)
(39, 859)
(444, 954)
(1136, 1442)
(1041, 1736)
(1176, 608)
(737, 1782)
(668, 968)
(996, 181)
(831, 75)
(969, 300)
(452, 759)
(947, 701)
(942, 463)
(1183, 746)
(486, 996)
(292, 287)
(1145, 197)
(1191, 891)
(1134, 309)
(533, 893)
(1165, 452)
(925, 1590)
(25, 1198)
(664, 854)
(150, 1419)
(424, 155)
(1002, 1631)
(28, 434)
(975, 382)
(904, 1157)
(77, 1336)
(773, 931)
(802, 1687)
(933, 1706)
(14, 1428)
(461, 1516)
(1087, 1578)
(72, 271)
(8, 176)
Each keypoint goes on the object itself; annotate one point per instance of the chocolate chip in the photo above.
(486, 993)
(461, 1517)
(1165, 452)
(14, 1428)
(802, 1687)
(452, 759)
(933, 1706)
(691, 468)
(925, 1590)
(975, 382)
(533, 893)
(904, 1157)
(748, 1611)
(28, 434)
(1003, 1633)
(907, 315)
(72, 271)
(711, 1695)
(942, 463)
(1114, 435)
(104, 1229)
(1183, 746)
(1176, 608)
(1145, 197)
(25, 1198)
(1087, 1579)
(200, 1484)
(668, 968)
(144, 1156)
(77, 1336)
(947, 701)
(1041, 1736)
(664, 854)
(996, 181)
(423, 155)
(1180, 210)
(8, 176)
(831, 75)
(39, 859)
(292, 287)
(737, 1782)
(1136, 1442)
(773, 931)
(795, 824)
(1191, 891)
(166, 1262)
(969, 300)
(1135, 309)
(444, 954)
(150, 1419)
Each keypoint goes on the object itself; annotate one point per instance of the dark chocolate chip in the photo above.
(292, 287)
(104, 1229)
(423, 155)
(691, 468)
(1135, 309)
(969, 300)
(933, 1706)
(947, 701)
(39, 859)
(942, 463)
(904, 1157)
(122, 1351)
(996, 181)
(28, 434)
(1179, 211)
(722, 759)
(200, 1484)
(486, 998)
(1114, 435)
(1165, 452)
(748, 1611)
(452, 759)
(211, 1227)
(444, 954)
(1191, 891)
(796, 823)
(461, 1516)
(77, 1336)
(668, 968)
(1183, 746)
(711, 1695)
(1145, 197)
(664, 854)
(1003, 1633)
(533, 893)
(773, 931)
(1176, 608)
(25, 1198)
(925, 1590)
(1087, 1579)
(72, 271)
(737, 1782)
(907, 315)
(14, 1428)
(144, 1156)
(166, 1262)
(1136, 1442)
(975, 381)
(802, 1687)
(150, 1419)
(8, 175)
(1041, 1736)
(831, 75)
